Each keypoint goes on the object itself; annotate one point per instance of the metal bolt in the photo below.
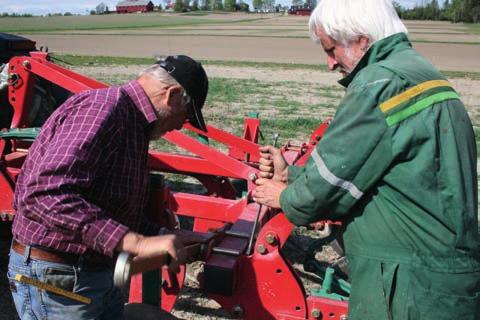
(26, 64)
(343, 317)
(316, 313)
(270, 238)
(261, 249)
(237, 311)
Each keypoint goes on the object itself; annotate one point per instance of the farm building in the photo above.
(134, 6)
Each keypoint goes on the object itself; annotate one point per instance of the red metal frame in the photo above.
(264, 284)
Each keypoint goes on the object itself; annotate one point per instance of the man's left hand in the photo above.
(268, 192)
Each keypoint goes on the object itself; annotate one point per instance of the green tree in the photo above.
(455, 11)
(257, 4)
(194, 6)
(230, 5)
(179, 7)
(217, 5)
(203, 5)
(244, 7)
(398, 8)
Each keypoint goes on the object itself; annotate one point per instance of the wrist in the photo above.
(130, 243)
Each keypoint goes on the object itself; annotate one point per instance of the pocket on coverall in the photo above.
(442, 295)
(373, 289)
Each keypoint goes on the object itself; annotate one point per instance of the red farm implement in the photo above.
(253, 281)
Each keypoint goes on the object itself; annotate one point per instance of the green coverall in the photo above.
(398, 166)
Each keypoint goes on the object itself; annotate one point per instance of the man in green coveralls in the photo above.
(397, 165)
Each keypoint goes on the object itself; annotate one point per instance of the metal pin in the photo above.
(252, 235)
(275, 139)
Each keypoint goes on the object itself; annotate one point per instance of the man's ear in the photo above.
(173, 94)
(364, 43)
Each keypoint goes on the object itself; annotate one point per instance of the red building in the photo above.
(134, 6)
(300, 10)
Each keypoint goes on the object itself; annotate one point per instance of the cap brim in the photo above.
(196, 118)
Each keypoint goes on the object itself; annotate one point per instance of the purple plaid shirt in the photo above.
(84, 183)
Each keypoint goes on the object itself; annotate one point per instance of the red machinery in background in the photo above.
(241, 243)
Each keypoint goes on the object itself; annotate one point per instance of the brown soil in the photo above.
(456, 57)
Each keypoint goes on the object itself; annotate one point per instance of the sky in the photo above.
(41, 7)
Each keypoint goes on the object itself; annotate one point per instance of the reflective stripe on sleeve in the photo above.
(412, 92)
(334, 180)
(419, 106)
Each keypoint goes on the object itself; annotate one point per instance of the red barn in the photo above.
(134, 6)
(300, 10)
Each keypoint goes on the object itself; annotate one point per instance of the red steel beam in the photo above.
(229, 164)
(228, 139)
(168, 162)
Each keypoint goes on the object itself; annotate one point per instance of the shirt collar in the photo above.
(380, 50)
(140, 99)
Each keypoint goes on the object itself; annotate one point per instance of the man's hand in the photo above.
(146, 248)
(272, 164)
(268, 192)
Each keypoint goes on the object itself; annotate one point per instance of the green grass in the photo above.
(81, 60)
(473, 43)
(473, 27)
(78, 60)
(102, 22)
(277, 102)
(474, 75)
(195, 14)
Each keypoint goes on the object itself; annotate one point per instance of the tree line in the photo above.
(450, 10)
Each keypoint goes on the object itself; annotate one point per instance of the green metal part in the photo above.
(26, 134)
(330, 281)
(203, 139)
(253, 114)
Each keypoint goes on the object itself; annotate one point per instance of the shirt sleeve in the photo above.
(350, 158)
(81, 146)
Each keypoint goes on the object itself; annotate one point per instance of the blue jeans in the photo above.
(95, 283)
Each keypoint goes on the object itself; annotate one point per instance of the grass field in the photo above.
(289, 105)
(114, 21)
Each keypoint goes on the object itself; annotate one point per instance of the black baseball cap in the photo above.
(192, 77)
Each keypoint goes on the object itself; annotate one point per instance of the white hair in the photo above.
(346, 20)
(160, 74)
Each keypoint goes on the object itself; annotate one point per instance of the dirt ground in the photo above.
(452, 57)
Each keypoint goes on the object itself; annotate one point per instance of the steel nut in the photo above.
(270, 238)
(316, 313)
(261, 249)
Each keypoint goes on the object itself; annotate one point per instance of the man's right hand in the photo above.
(146, 248)
(272, 164)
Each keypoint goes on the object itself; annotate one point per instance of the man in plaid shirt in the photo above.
(83, 187)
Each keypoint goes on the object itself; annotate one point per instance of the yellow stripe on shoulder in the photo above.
(412, 92)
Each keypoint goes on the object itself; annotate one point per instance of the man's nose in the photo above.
(331, 63)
